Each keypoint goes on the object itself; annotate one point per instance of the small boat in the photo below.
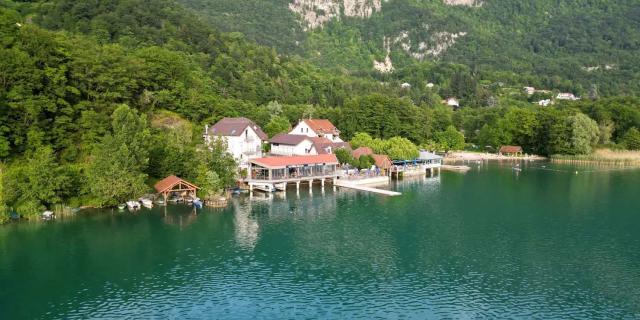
(266, 187)
(197, 203)
(147, 203)
(48, 215)
(122, 206)
(160, 202)
(188, 200)
(133, 205)
(517, 169)
(281, 186)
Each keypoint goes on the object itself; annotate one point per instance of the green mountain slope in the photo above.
(577, 45)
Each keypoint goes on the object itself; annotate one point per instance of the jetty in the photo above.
(455, 168)
(355, 186)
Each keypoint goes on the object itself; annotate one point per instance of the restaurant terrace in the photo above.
(282, 170)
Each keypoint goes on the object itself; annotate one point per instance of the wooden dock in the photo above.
(455, 168)
(347, 184)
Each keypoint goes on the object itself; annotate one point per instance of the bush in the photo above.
(632, 139)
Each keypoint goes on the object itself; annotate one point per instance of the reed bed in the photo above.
(603, 157)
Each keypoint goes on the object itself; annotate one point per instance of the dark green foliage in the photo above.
(116, 172)
(450, 139)
(632, 139)
(365, 162)
(277, 124)
(344, 156)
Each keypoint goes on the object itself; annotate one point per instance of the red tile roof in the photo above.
(361, 151)
(382, 161)
(235, 127)
(281, 162)
(170, 182)
(322, 126)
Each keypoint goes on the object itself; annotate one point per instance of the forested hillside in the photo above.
(580, 46)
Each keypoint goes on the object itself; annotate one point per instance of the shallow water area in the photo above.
(545, 242)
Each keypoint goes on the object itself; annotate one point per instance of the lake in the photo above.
(544, 243)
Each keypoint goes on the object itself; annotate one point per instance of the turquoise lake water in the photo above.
(542, 244)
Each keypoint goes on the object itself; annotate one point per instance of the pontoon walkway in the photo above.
(347, 184)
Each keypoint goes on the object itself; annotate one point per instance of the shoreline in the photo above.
(477, 156)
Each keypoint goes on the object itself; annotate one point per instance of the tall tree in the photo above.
(632, 139)
(116, 172)
(450, 139)
(584, 133)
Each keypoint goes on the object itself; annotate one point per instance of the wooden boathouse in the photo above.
(277, 172)
(173, 184)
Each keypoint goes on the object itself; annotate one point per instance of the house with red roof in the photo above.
(317, 128)
(243, 137)
(296, 144)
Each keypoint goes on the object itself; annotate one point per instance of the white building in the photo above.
(292, 144)
(299, 145)
(317, 128)
(243, 137)
(452, 102)
(529, 90)
(566, 96)
(545, 102)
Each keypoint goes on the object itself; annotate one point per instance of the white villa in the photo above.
(243, 137)
(529, 90)
(545, 102)
(300, 145)
(566, 96)
(317, 128)
(452, 102)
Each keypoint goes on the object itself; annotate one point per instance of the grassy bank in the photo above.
(602, 156)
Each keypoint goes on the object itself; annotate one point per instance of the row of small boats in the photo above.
(134, 205)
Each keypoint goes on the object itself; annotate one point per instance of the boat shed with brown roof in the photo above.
(362, 151)
(173, 184)
(510, 150)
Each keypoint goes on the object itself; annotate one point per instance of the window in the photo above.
(302, 130)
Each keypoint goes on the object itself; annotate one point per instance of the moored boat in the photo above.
(122, 206)
(197, 203)
(147, 203)
(266, 187)
(280, 186)
(133, 205)
(48, 215)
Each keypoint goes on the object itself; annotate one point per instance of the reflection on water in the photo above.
(545, 243)
(246, 228)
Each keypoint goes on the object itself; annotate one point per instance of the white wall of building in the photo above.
(303, 129)
(244, 147)
(303, 148)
